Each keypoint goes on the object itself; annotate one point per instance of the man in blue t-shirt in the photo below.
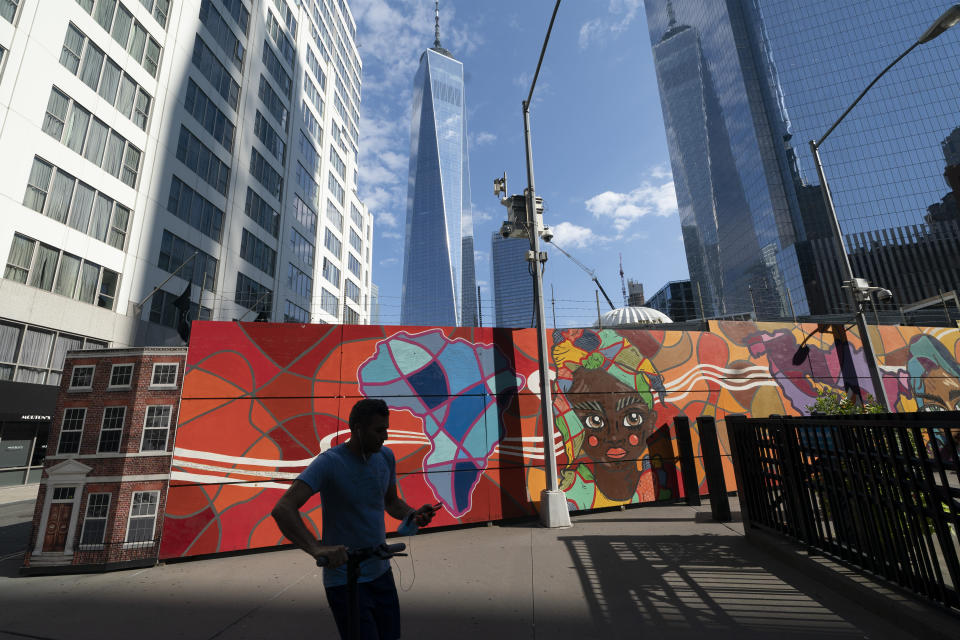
(357, 482)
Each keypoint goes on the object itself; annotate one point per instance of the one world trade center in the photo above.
(439, 280)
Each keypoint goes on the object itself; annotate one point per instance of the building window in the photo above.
(195, 210)
(329, 302)
(331, 273)
(164, 374)
(175, 251)
(111, 429)
(351, 291)
(209, 65)
(163, 312)
(270, 138)
(258, 253)
(204, 111)
(350, 316)
(334, 215)
(262, 213)
(332, 242)
(299, 282)
(8, 9)
(304, 215)
(338, 163)
(336, 188)
(308, 186)
(202, 161)
(76, 204)
(30, 354)
(127, 31)
(222, 33)
(280, 39)
(50, 269)
(105, 76)
(121, 375)
(69, 123)
(253, 295)
(354, 265)
(311, 123)
(143, 516)
(95, 521)
(294, 313)
(265, 174)
(71, 430)
(273, 102)
(275, 67)
(82, 377)
(156, 425)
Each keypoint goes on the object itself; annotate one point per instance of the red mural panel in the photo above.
(261, 400)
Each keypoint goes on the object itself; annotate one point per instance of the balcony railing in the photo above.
(881, 492)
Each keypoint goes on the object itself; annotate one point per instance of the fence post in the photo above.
(688, 469)
(713, 465)
(740, 452)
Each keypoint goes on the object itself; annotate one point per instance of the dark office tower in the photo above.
(439, 282)
(675, 299)
(734, 218)
(783, 73)
(512, 284)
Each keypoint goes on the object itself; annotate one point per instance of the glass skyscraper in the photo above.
(512, 282)
(744, 85)
(439, 279)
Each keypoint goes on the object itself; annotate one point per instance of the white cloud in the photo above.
(660, 172)
(626, 208)
(392, 235)
(481, 256)
(484, 137)
(620, 14)
(569, 235)
(387, 220)
(389, 261)
(480, 215)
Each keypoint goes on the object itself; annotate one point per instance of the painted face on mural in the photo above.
(617, 423)
(941, 392)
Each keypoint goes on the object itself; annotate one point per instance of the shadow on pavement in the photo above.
(685, 585)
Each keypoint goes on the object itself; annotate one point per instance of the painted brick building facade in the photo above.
(104, 486)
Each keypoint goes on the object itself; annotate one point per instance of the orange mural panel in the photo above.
(261, 400)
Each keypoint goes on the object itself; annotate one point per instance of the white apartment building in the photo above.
(139, 133)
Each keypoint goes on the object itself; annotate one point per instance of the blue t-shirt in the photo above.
(352, 501)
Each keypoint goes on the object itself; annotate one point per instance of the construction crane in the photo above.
(623, 284)
(590, 272)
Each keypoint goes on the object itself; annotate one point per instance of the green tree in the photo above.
(836, 403)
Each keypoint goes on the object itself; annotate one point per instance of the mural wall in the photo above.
(261, 400)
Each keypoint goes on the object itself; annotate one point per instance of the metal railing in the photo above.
(110, 553)
(880, 492)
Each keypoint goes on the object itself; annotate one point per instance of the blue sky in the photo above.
(600, 155)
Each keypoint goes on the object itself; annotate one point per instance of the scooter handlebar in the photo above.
(384, 551)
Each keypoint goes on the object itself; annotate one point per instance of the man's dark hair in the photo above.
(365, 409)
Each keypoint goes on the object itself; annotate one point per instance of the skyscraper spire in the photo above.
(436, 29)
(670, 14)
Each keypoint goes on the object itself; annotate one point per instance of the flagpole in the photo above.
(139, 307)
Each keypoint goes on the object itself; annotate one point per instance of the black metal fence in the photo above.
(881, 492)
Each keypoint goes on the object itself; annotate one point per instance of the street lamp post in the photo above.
(860, 290)
(553, 501)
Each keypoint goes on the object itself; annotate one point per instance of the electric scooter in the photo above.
(356, 557)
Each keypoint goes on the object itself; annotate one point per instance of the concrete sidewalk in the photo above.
(667, 571)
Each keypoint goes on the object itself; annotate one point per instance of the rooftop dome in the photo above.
(627, 316)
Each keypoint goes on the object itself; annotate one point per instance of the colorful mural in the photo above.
(261, 400)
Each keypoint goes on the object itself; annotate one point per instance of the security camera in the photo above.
(883, 294)
(547, 234)
(506, 229)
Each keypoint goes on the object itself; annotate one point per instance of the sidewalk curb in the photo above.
(914, 616)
